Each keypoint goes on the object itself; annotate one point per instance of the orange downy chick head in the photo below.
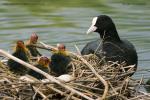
(20, 44)
(44, 61)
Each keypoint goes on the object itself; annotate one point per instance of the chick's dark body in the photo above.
(36, 74)
(59, 63)
(15, 66)
(33, 50)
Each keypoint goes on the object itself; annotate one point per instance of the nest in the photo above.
(93, 78)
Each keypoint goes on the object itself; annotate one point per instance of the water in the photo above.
(66, 21)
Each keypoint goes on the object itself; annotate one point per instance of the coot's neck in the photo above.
(110, 35)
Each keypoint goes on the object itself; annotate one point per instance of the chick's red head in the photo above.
(20, 44)
(44, 61)
(34, 38)
(61, 47)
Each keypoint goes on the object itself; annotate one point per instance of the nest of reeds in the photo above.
(93, 79)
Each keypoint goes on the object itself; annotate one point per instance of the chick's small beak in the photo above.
(91, 29)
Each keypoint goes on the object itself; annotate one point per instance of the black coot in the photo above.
(110, 45)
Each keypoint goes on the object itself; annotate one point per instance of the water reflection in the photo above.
(67, 21)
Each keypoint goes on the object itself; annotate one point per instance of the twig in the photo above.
(78, 51)
(98, 76)
(38, 91)
(92, 69)
(141, 80)
(41, 47)
(112, 88)
(62, 93)
(43, 73)
(69, 96)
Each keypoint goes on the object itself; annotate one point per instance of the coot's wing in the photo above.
(114, 51)
(120, 51)
(90, 47)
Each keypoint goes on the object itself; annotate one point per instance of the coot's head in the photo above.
(34, 38)
(104, 25)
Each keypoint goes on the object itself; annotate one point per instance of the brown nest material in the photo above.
(87, 72)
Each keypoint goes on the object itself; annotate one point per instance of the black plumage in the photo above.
(60, 61)
(21, 53)
(33, 50)
(59, 64)
(147, 86)
(36, 74)
(43, 65)
(110, 45)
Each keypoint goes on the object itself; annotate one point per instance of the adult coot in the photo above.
(60, 61)
(33, 50)
(22, 53)
(111, 47)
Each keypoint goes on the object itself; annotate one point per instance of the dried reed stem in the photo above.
(43, 73)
